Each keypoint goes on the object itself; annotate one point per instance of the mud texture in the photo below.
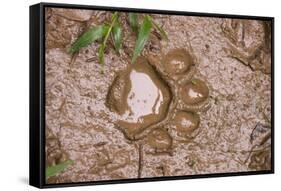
(199, 103)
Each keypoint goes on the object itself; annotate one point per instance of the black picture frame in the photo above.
(37, 94)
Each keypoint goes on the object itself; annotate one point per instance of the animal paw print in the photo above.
(154, 92)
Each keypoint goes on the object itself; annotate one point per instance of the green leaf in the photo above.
(161, 30)
(107, 33)
(88, 37)
(134, 22)
(117, 36)
(53, 170)
(101, 53)
(114, 17)
(142, 37)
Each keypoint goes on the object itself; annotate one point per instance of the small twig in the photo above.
(100, 144)
(252, 151)
(245, 63)
(91, 59)
(140, 165)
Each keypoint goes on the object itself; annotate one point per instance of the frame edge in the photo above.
(35, 129)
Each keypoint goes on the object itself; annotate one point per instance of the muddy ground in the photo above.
(231, 57)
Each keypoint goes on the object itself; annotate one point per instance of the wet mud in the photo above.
(199, 103)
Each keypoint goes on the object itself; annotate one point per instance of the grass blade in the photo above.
(117, 36)
(161, 30)
(134, 22)
(142, 37)
(107, 33)
(101, 57)
(88, 37)
(101, 53)
(54, 170)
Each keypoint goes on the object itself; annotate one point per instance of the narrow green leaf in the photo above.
(161, 30)
(117, 36)
(88, 37)
(54, 170)
(107, 33)
(134, 22)
(142, 37)
(101, 56)
(101, 53)
(114, 17)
